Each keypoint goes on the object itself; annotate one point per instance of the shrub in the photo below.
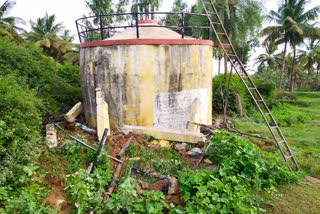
(58, 85)
(236, 88)
(285, 96)
(242, 168)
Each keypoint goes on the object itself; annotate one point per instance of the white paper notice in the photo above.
(174, 110)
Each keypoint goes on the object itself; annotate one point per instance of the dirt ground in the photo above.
(56, 195)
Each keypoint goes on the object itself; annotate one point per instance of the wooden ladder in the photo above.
(237, 65)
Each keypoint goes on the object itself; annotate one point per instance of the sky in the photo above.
(67, 11)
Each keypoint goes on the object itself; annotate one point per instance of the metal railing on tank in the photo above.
(100, 27)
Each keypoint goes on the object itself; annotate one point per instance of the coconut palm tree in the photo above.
(317, 59)
(45, 34)
(241, 19)
(269, 58)
(8, 23)
(293, 25)
(308, 57)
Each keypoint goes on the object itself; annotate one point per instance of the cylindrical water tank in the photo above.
(158, 80)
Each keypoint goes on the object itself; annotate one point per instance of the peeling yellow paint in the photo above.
(142, 71)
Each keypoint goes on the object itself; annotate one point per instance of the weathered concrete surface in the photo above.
(166, 134)
(160, 86)
(51, 136)
(102, 114)
(73, 113)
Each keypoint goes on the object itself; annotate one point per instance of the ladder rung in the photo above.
(252, 88)
(274, 127)
(259, 100)
(216, 23)
(221, 34)
(291, 156)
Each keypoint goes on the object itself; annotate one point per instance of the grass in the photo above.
(304, 139)
(293, 198)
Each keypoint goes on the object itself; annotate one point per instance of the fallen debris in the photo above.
(71, 116)
(135, 165)
(102, 114)
(103, 140)
(211, 168)
(173, 186)
(51, 135)
(166, 134)
(207, 161)
(199, 161)
(122, 151)
(144, 185)
(74, 112)
(195, 152)
(79, 141)
(181, 147)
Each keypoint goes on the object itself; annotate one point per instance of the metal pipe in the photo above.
(79, 141)
(137, 25)
(103, 140)
(101, 28)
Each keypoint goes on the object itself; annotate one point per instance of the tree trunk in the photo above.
(292, 69)
(318, 68)
(219, 65)
(308, 76)
(225, 65)
(283, 63)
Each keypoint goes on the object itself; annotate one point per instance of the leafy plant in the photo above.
(127, 200)
(242, 168)
(88, 190)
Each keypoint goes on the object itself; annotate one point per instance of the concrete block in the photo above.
(74, 112)
(173, 186)
(102, 114)
(51, 135)
(164, 143)
(166, 134)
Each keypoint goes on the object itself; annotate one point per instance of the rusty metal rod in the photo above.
(122, 151)
(84, 144)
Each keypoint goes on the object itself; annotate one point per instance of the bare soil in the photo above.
(57, 194)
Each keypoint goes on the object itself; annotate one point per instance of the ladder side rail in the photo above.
(213, 28)
(242, 68)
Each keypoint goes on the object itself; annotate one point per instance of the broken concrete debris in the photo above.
(51, 135)
(74, 112)
(195, 152)
(181, 147)
(210, 168)
(161, 143)
(144, 185)
(173, 186)
(207, 161)
(71, 116)
(102, 114)
(166, 134)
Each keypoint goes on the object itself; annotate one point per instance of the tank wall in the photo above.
(149, 85)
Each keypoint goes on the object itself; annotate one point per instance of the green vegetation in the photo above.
(241, 169)
(302, 135)
(39, 78)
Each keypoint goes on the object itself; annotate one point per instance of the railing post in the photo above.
(182, 23)
(101, 27)
(87, 35)
(137, 25)
(78, 32)
(209, 26)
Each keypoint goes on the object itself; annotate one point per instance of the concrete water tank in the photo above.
(158, 80)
